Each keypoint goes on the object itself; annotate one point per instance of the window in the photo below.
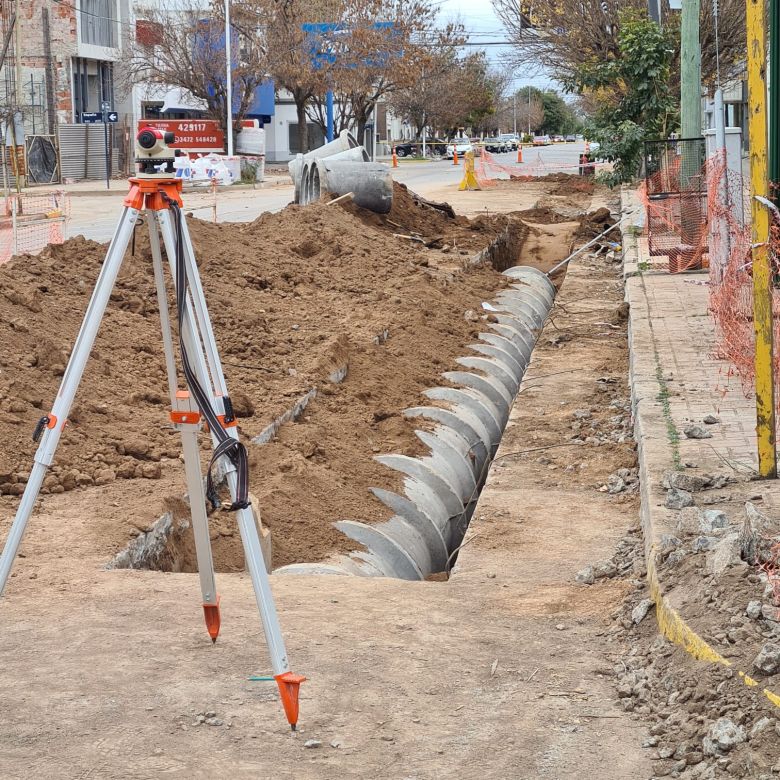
(98, 22)
(316, 137)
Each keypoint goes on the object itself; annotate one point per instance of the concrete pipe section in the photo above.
(343, 143)
(469, 412)
(342, 167)
(371, 184)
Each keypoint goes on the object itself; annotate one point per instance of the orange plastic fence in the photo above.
(489, 170)
(731, 280)
(29, 222)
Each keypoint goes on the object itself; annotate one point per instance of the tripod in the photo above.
(205, 400)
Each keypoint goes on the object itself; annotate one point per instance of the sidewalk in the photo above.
(699, 583)
(119, 187)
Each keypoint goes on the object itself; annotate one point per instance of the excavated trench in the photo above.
(460, 428)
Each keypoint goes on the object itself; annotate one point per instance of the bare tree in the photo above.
(428, 101)
(297, 60)
(380, 46)
(567, 34)
(179, 43)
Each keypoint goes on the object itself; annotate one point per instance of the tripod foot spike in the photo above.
(211, 613)
(289, 685)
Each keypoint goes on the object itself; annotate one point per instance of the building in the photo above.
(61, 63)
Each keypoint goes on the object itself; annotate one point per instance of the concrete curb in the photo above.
(650, 432)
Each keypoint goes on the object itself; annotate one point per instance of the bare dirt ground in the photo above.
(500, 672)
(294, 297)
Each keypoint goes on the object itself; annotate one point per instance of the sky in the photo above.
(482, 24)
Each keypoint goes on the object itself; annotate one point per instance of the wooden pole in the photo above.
(762, 271)
(690, 70)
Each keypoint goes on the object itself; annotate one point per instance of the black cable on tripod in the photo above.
(226, 444)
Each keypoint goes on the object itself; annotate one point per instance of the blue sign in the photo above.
(91, 117)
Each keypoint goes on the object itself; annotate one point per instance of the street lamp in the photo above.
(229, 80)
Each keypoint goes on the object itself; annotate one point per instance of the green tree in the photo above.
(559, 117)
(631, 93)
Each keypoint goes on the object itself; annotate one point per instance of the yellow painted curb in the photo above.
(676, 630)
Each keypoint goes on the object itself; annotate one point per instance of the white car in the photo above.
(461, 146)
(511, 139)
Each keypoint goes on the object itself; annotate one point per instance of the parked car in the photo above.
(542, 140)
(512, 139)
(495, 145)
(459, 145)
(434, 147)
(570, 139)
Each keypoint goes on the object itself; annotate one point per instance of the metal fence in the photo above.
(676, 192)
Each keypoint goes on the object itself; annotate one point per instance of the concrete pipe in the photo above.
(343, 143)
(358, 154)
(314, 182)
(441, 487)
(370, 183)
(304, 184)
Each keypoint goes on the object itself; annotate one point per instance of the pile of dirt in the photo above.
(294, 297)
(542, 215)
(704, 721)
(437, 224)
(595, 223)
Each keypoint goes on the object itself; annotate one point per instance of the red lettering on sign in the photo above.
(193, 135)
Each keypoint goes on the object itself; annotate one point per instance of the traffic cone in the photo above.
(455, 157)
(395, 159)
(519, 154)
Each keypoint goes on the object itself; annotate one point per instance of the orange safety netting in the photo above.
(489, 170)
(675, 195)
(29, 222)
(731, 278)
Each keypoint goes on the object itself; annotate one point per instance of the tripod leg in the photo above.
(183, 409)
(200, 527)
(288, 682)
(56, 420)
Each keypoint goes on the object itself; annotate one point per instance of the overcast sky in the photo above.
(483, 25)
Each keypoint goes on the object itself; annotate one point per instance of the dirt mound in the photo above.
(595, 223)
(294, 297)
(413, 215)
(542, 215)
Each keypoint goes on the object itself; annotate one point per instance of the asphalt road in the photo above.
(95, 215)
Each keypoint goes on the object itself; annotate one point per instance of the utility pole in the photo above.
(774, 98)
(229, 79)
(762, 261)
(18, 54)
(690, 88)
(514, 110)
(529, 109)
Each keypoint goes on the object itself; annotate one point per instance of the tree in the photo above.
(530, 110)
(380, 46)
(558, 116)
(179, 44)
(292, 50)
(632, 94)
(428, 102)
(565, 35)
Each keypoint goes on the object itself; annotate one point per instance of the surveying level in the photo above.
(205, 399)
(152, 149)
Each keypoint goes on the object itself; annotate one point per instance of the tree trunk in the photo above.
(303, 127)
